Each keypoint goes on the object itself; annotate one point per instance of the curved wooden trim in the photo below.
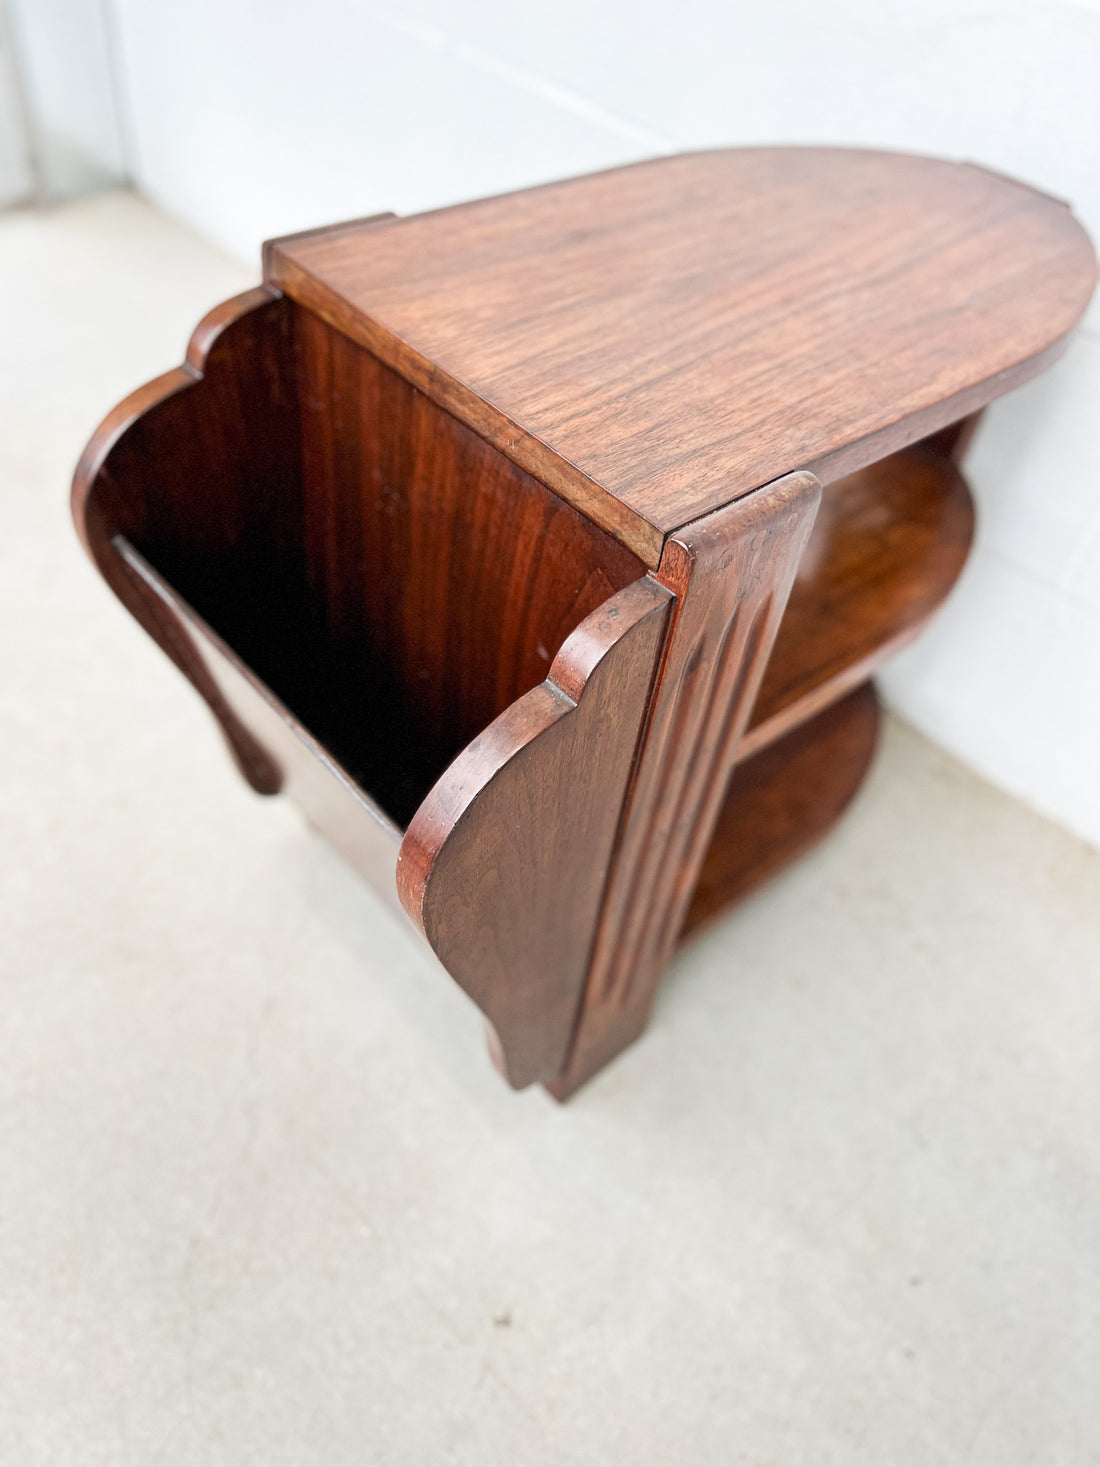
(228, 313)
(731, 574)
(887, 547)
(525, 720)
(455, 793)
(969, 402)
(134, 407)
(965, 283)
(782, 801)
(504, 865)
(142, 598)
(99, 532)
(322, 788)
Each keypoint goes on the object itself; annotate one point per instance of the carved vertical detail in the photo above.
(731, 573)
(504, 865)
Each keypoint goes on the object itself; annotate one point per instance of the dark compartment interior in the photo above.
(390, 576)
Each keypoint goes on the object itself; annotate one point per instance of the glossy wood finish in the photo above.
(446, 577)
(300, 767)
(194, 467)
(222, 433)
(731, 574)
(507, 897)
(888, 544)
(350, 642)
(782, 801)
(388, 575)
(479, 541)
(519, 948)
(655, 341)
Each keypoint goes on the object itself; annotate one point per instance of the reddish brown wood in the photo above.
(657, 340)
(782, 801)
(222, 433)
(303, 769)
(394, 527)
(194, 461)
(387, 574)
(731, 574)
(888, 544)
(445, 578)
(954, 441)
(504, 864)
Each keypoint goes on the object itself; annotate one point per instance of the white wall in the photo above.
(64, 52)
(16, 174)
(254, 117)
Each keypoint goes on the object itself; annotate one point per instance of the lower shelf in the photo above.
(783, 800)
(888, 545)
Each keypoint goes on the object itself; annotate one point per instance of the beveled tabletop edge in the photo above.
(630, 525)
(523, 448)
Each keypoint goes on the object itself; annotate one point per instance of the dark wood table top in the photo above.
(658, 340)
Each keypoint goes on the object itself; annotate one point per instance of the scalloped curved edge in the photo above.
(98, 533)
(504, 864)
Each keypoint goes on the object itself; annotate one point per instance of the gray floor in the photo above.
(262, 1198)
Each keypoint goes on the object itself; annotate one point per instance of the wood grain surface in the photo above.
(505, 863)
(188, 468)
(395, 526)
(782, 801)
(888, 544)
(731, 574)
(441, 579)
(655, 341)
(386, 573)
(296, 764)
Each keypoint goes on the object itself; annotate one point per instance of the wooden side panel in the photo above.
(388, 575)
(202, 463)
(251, 716)
(888, 544)
(731, 573)
(504, 865)
(782, 801)
(444, 573)
(197, 467)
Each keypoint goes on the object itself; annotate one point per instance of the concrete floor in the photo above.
(262, 1198)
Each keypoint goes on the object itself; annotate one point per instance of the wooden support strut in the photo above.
(731, 574)
(504, 864)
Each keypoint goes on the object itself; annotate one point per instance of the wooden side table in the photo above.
(496, 536)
